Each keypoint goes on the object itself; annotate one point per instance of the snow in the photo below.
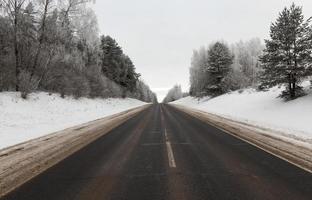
(264, 109)
(41, 114)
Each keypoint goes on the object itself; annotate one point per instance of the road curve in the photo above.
(163, 153)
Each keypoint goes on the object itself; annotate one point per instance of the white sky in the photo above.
(160, 35)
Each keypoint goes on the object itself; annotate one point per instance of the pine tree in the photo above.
(128, 77)
(111, 58)
(116, 65)
(287, 52)
(219, 61)
(54, 46)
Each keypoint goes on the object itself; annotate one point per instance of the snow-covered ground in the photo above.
(294, 118)
(22, 120)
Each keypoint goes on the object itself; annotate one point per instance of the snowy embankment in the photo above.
(41, 114)
(291, 119)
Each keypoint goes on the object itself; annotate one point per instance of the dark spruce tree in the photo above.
(287, 57)
(111, 58)
(219, 61)
(117, 66)
(128, 76)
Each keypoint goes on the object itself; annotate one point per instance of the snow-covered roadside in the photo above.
(263, 109)
(42, 114)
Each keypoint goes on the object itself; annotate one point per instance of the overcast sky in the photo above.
(160, 35)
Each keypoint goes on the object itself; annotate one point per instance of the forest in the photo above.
(285, 60)
(55, 46)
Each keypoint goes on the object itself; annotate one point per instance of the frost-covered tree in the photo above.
(220, 60)
(70, 9)
(54, 45)
(199, 77)
(174, 94)
(144, 93)
(7, 58)
(42, 32)
(246, 60)
(13, 9)
(86, 25)
(240, 68)
(234, 80)
(287, 57)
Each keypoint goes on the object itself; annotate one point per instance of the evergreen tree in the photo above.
(111, 58)
(287, 54)
(53, 46)
(128, 77)
(116, 65)
(219, 61)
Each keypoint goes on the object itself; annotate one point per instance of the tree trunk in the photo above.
(41, 37)
(289, 84)
(16, 52)
(292, 86)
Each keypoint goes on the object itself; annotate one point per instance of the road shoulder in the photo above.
(22, 162)
(295, 152)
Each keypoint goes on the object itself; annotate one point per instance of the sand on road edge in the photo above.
(24, 161)
(298, 153)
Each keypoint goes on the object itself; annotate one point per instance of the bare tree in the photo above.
(54, 46)
(42, 31)
(70, 7)
(13, 9)
(174, 94)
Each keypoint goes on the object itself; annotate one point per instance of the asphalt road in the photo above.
(163, 153)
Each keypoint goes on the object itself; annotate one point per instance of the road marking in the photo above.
(249, 142)
(152, 144)
(172, 163)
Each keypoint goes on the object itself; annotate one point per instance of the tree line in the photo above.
(54, 46)
(284, 60)
(221, 68)
(174, 94)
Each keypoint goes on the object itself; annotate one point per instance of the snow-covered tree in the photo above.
(246, 60)
(144, 93)
(287, 57)
(13, 9)
(174, 94)
(86, 26)
(240, 67)
(199, 77)
(54, 45)
(220, 60)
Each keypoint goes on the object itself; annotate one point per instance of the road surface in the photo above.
(163, 153)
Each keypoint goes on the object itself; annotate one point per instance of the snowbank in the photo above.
(22, 120)
(264, 109)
